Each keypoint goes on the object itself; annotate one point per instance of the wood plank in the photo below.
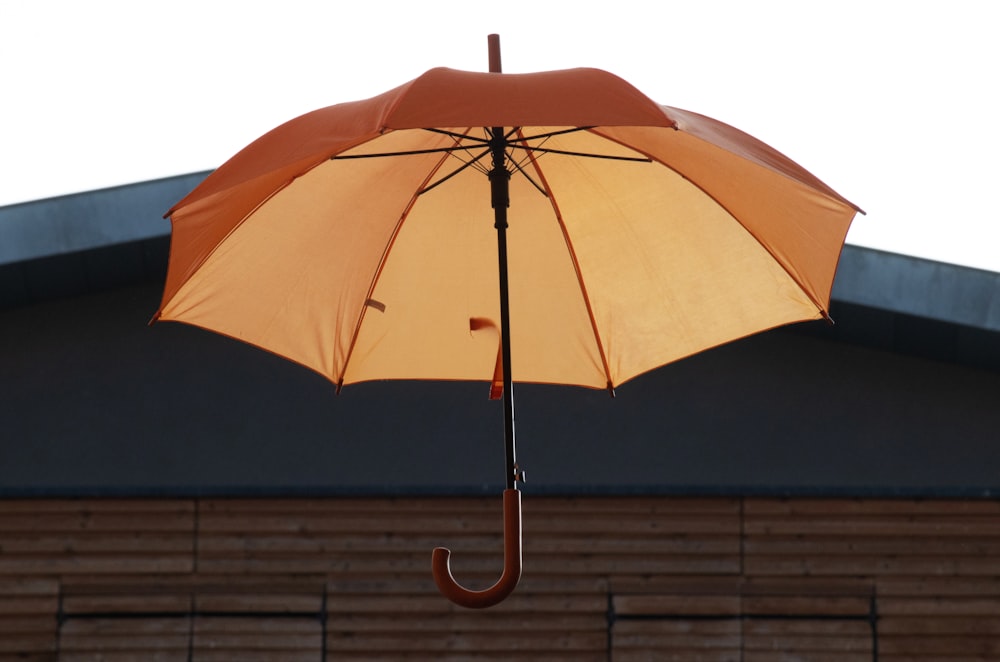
(464, 656)
(430, 603)
(681, 655)
(136, 542)
(940, 606)
(277, 636)
(806, 605)
(689, 584)
(28, 627)
(816, 586)
(213, 655)
(809, 639)
(20, 605)
(191, 582)
(458, 523)
(453, 621)
(27, 641)
(715, 630)
(936, 648)
(40, 507)
(133, 635)
(566, 586)
(736, 605)
(538, 644)
(140, 655)
(93, 517)
(249, 602)
(585, 505)
(115, 565)
(872, 566)
(922, 585)
(677, 640)
(811, 656)
(471, 566)
(924, 527)
(829, 627)
(855, 507)
(198, 594)
(973, 546)
(137, 602)
(919, 625)
(23, 596)
(358, 542)
(676, 605)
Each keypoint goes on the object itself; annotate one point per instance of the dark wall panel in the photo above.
(94, 400)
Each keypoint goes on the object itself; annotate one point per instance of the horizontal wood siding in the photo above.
(28, 607)
(605, 578)
(933, 566)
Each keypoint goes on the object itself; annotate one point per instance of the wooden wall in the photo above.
(605, 578)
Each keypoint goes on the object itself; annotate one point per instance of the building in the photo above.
(826, 492)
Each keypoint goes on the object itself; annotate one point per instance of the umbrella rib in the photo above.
(795, 278)
(521, 144)
(459, 136)
(560, 132)
(370, 301)
(523, 141)
(474, 161)
(579, 276)
(411, 152)
(587, 155)
(520, 169)
(512, 132)
(465, 165)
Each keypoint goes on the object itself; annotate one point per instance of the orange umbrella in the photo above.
(363, 241)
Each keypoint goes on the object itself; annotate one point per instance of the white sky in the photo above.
(895, 104)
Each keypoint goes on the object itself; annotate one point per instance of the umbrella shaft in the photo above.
(500, 194)
(508, 386)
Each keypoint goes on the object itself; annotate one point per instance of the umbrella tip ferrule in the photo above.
(493, 41)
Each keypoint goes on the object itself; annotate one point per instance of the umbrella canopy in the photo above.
(639, 234)
(361, 240)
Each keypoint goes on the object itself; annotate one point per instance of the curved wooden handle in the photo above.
(495, 594)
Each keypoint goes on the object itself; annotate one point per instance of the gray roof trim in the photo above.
(914, 286)
(94, 219)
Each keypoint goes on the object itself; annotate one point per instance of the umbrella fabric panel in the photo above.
(310, 268)
(610, 277)
(442, 272)
(745, 146)
(582, 97)
(439, 97)
(233, 191)
(294, 277)
(667, 271)
(569, 97)
(800, 222)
